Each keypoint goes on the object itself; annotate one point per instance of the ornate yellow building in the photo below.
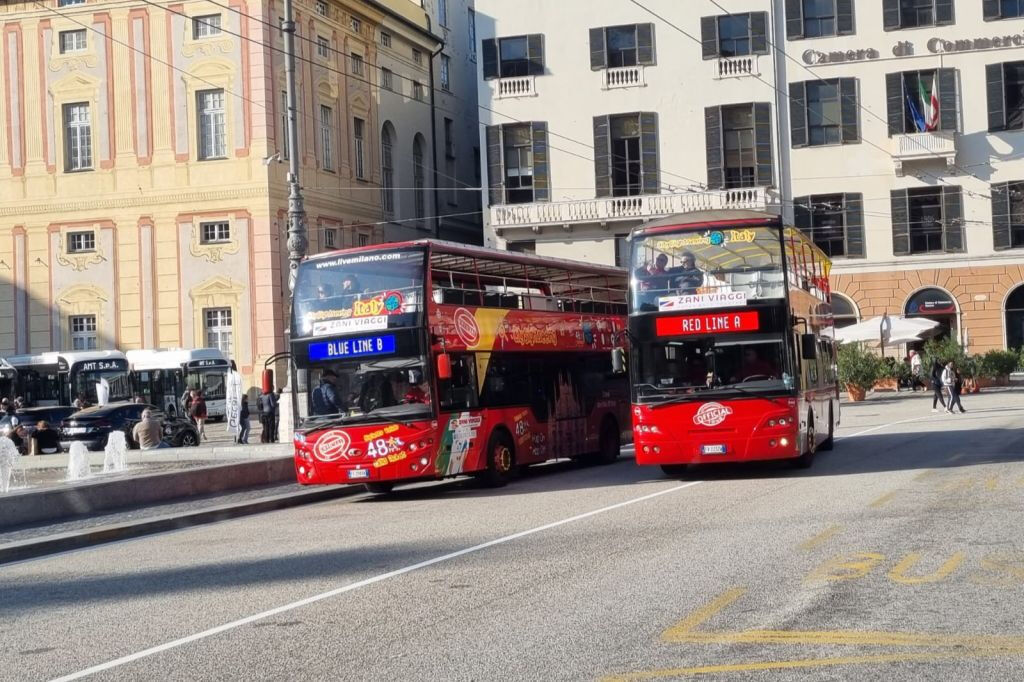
(142, 202)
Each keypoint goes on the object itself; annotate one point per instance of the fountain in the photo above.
(8, 460)
(115, 457)
(78, 463)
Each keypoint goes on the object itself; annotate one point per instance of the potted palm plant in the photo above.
(859, 369)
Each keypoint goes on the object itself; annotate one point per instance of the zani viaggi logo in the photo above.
(711, 414)
(332, 446)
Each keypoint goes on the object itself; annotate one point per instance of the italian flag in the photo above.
(929, 105)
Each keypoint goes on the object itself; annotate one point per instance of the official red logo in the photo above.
(711, 414)
(332, 445)
(466, 327)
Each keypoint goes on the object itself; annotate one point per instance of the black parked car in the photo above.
(93, 425)
(30, 416)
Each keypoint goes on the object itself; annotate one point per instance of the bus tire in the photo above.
(829, 442)
(501, 460)
(379, 488)
(609, 444)
(805, 460)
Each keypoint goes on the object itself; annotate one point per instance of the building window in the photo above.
(417, 57)
(418, 177)
(739, 145)
(323, 47)
(446, 70)
(358, 140)
(449, 138)
(626, 154)
(387, 172)
(897, 14)
(330, 238)
(68, 3)
(617, 46)
(442, 12)
(385, 39)
(835, 222)
(206, 26)
(449, 157)
(321, 8)
(73, 41)
(528, 247)
(927, 220)
(417, 91)
(284, 124)
(212, 133)
(471, 25)
(77, 137)
(327, 136)
(218, 328)
(1008, 215)
(626, 163)
(356, 25)
(514, 57)
(823, 112)
(1005, 84)
(357, 64)
(83, 332)
(215, 233)
(818, 18)
(921, 101)
(517, 163)
(844, 311)
(81, 242)
(386, 79)
(734, 35)
(362, 239)
(738, 141)
(1003, 9)
(518, 155)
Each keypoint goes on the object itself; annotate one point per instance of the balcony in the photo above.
(910, 147)
(736, 67)
(624, 77)
(645, 206)
(519, 86)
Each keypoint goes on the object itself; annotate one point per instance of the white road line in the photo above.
(356, 585)
(1000, 413)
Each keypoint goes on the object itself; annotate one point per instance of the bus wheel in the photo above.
(501, 461)
(379, 488)
(675, 470)
(805, 460)
(609, 444)
(829, 442)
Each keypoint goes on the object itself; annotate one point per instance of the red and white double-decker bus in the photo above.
(429, 359)
(732, 341)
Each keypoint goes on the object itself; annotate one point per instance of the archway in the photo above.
(844, 311)
(935, 304)
(1013, 312)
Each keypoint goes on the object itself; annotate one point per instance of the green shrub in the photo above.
(945, 350)
(859, 367)
(998, 364)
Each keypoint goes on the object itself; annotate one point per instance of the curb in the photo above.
(62, 542)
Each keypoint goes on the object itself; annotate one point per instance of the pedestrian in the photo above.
(243, 422)
(148, 433)
(915, 371)
(19, 436)
(958, 387)
(197, 410)
(936, 377)
(277, 413)
(186, 401)
(948, 380)
(80, 402)
(45, 441)
(11, 413)
(267, 404)
(138, 400)
(19, 403)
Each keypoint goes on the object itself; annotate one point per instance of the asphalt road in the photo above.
(898, 556)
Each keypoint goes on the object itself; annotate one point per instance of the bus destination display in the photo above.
(713, 323)
(352, 348)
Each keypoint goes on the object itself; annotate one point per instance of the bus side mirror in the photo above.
(444, 367)
(808, 346)
(618, 360)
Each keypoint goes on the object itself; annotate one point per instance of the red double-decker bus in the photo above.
(429, 359)
(732, 341)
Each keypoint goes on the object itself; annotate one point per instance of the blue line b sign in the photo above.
(352, 348)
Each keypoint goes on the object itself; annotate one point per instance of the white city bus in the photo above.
(161, 377)
(57, 378)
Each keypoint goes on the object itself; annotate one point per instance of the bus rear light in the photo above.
(302, 470)
(424, 461)
(647, 449)
(657, 450)
(303, 454)
(354, 452)
(772, 443)
(783, 442)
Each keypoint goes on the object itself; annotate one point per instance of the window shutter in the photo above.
(848, 109)
(990, 8)
(952, 219)
(894, 101)
(490, 50)
(891, 14)
(495, 167)
(802, 214)
(763, 144)
(709, 37)
(943, 12)
(713, 144)
(598, 57)
(947, 99)
(602, 156)
(1001, 216)
(759, 32)
(996, 93)
(794, 19)
(535, 52)
(541, 171)
(798, 114)
(853, 206)
(650, 183)
(900, 210)
(645, 44)
(844, 18)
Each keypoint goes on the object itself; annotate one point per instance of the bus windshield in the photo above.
(697, 268)
(699, 367)
(211, 382)
(117, 379)
(354, 391)
(358, 292)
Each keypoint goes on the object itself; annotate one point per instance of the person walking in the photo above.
(267, 404)
(936, 377)
(915, 371)
(958, 386)
(948, 380)
(243, 422)
(148, 433)
(186, 401)
(197, 411)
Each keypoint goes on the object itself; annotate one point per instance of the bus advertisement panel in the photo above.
(731, 329)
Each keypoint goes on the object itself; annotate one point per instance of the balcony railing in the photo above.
(938, 144)
(624, 208)
(624, 77)
(520, 86)
(736, 67)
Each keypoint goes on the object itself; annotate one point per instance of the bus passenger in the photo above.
(325, 396)
(754, 366)
(687, 278)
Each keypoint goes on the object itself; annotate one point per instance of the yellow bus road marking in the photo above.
(821, 537)
(883, 500)
(703, 614)
(805, 663)
(924, 474)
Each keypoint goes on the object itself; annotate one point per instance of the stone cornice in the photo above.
(179, 198)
